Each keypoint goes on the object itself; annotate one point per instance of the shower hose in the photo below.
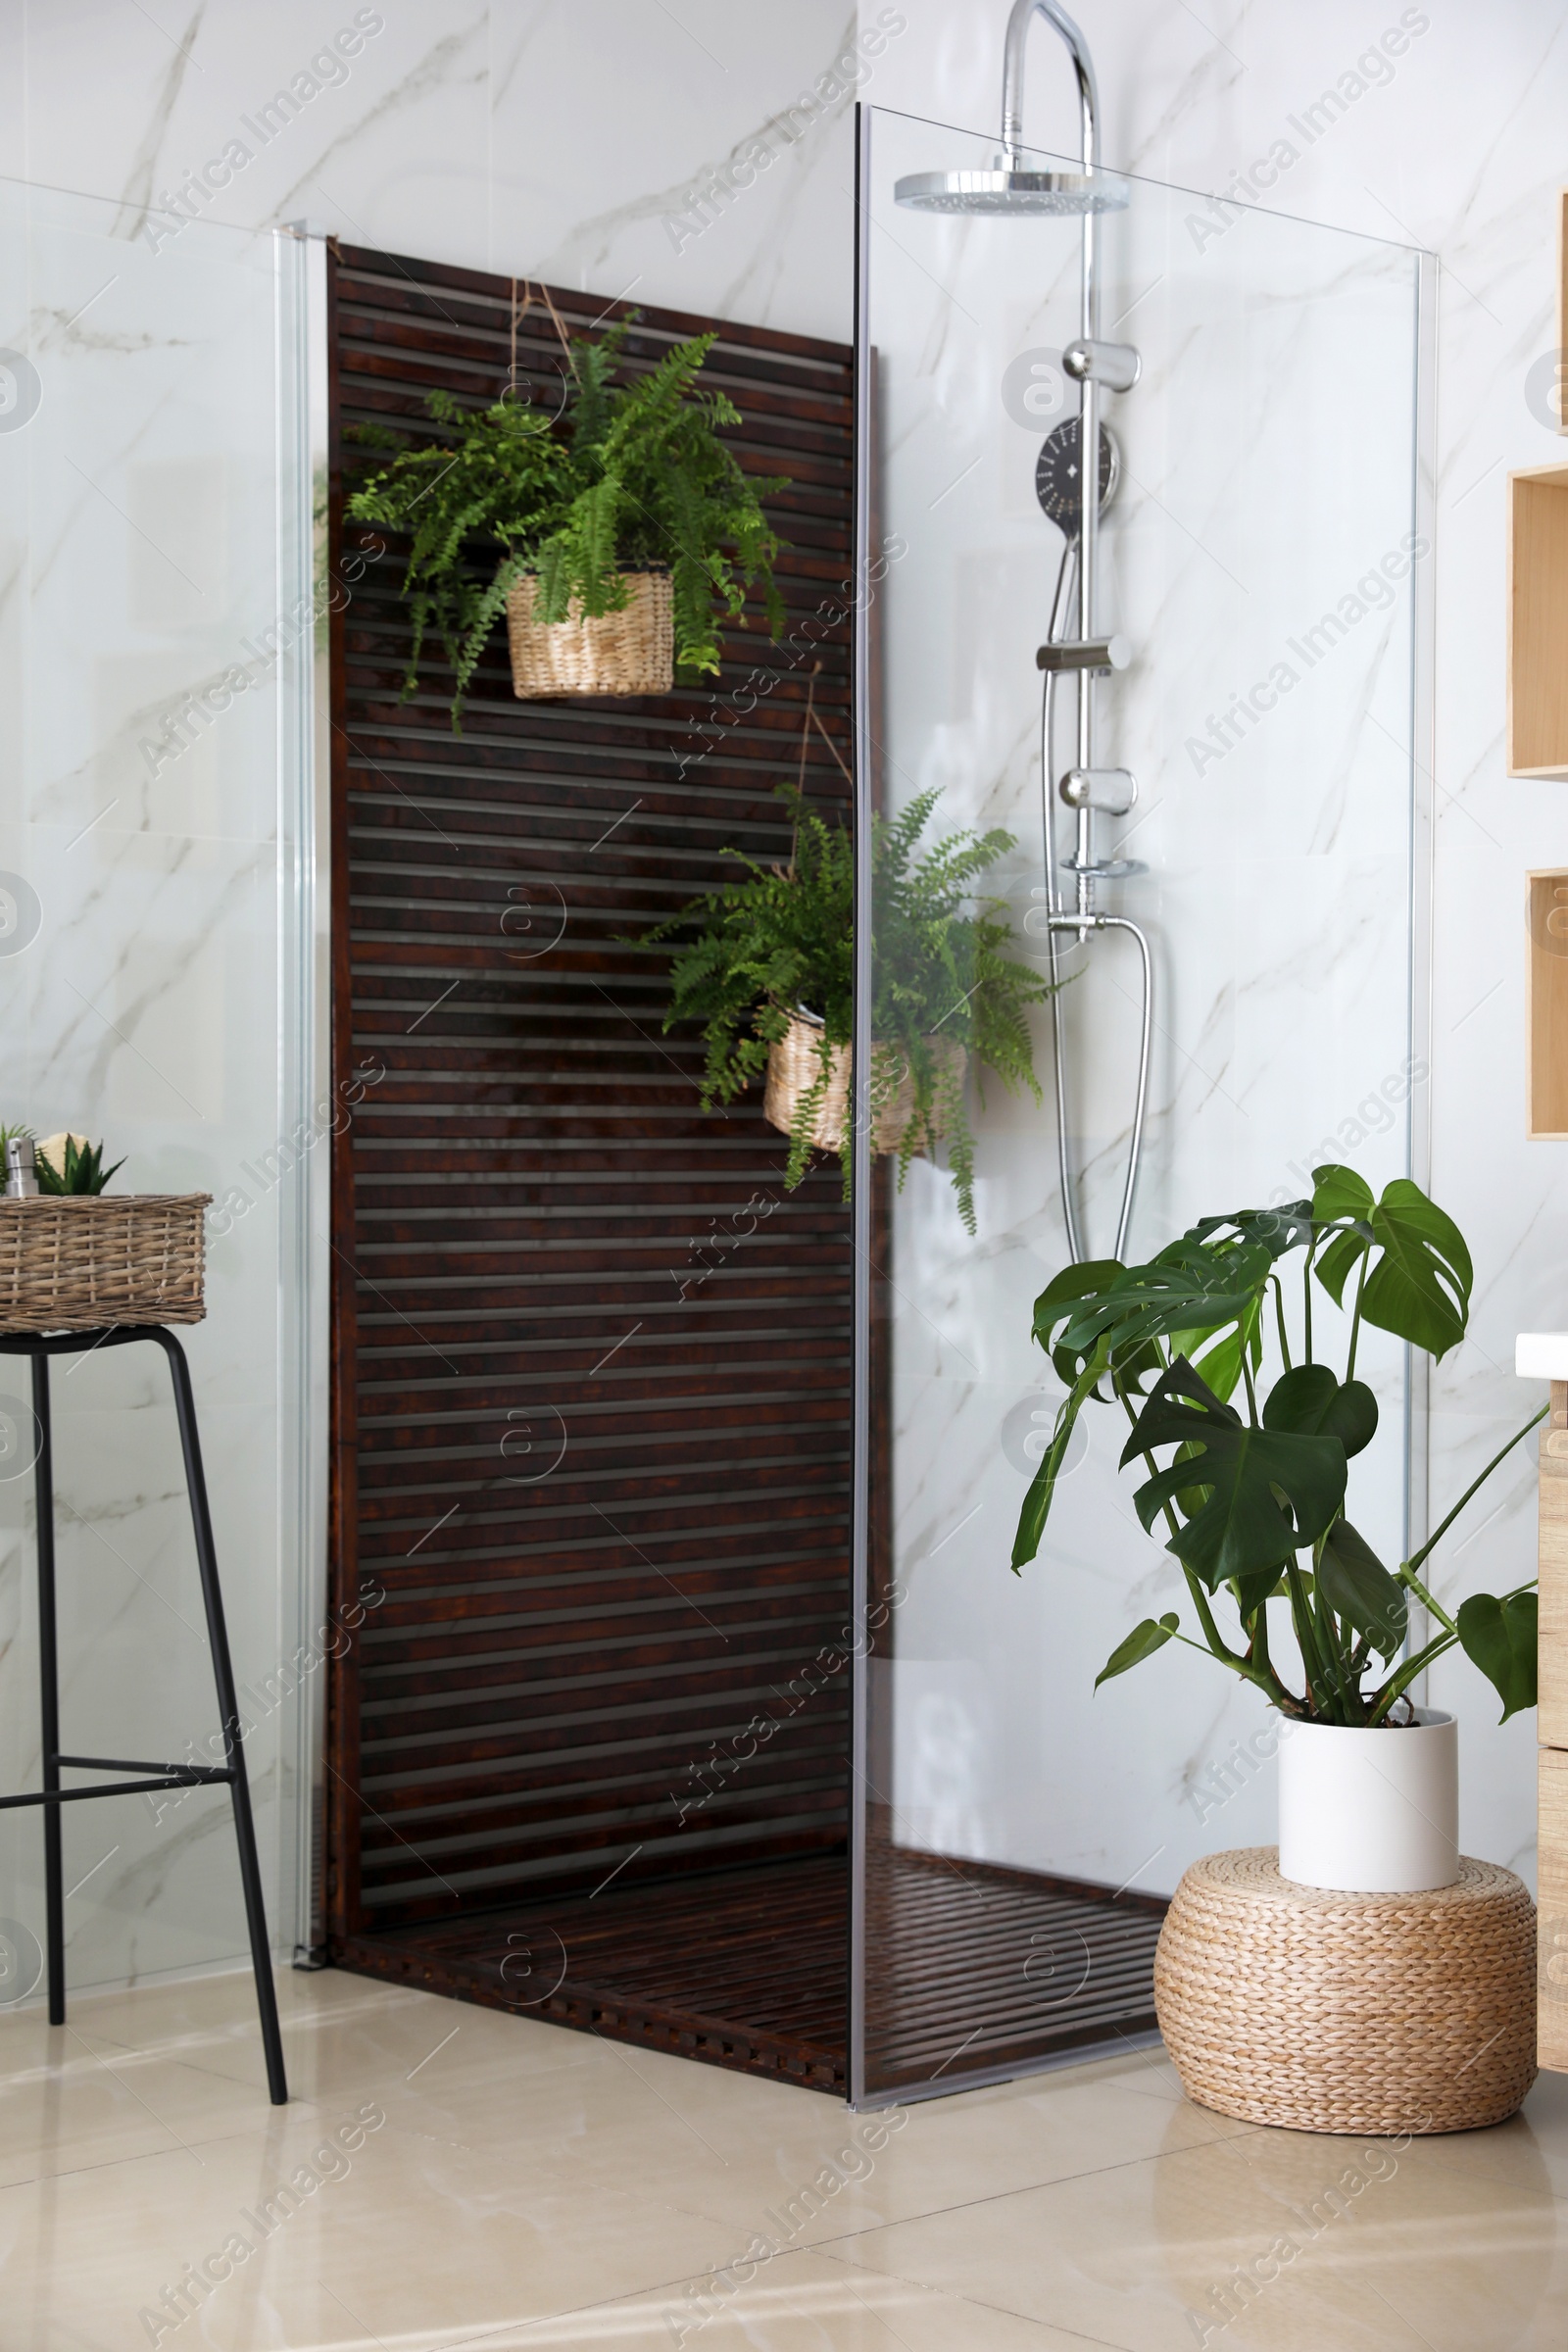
(1083, 919)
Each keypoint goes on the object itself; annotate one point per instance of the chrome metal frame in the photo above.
(1424, 521)
(304, 945)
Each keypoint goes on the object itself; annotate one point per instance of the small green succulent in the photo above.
(81, 1168)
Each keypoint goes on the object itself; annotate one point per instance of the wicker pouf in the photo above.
(1358, 2013)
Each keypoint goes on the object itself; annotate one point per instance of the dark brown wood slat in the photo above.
(748, 1968)
(521, 1196)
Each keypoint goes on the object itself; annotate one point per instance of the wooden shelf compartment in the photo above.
(1538, 621)
(1546, 1115)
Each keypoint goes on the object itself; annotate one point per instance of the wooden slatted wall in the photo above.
(543, 1248)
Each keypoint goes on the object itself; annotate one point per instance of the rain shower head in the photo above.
(1013, 192)
(1009, 188)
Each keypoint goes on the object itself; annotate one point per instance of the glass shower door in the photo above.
(1262, 554)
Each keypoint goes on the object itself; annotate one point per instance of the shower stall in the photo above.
(592, 1752)
(1212, 678)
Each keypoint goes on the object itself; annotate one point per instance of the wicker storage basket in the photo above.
(1354, 2013)
(630, 652)
(71, 1261)
(793, 1069)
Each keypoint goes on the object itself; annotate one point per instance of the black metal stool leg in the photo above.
(250, 1869)
(49, 1693)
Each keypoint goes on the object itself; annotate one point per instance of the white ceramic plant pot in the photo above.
(1370, 1812)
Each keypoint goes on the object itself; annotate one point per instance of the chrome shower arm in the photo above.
(1018, 24)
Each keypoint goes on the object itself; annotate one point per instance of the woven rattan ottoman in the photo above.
(1358, 2013)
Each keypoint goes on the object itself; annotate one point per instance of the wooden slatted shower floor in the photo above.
(973, 1966)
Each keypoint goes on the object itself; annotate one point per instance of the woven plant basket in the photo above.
(1354, 2013)
(793, 1069)
(71, 1261)
(630, 652)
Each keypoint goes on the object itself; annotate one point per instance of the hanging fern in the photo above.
(631, 476)
(754, 953)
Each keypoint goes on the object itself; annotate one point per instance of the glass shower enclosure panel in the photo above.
(155, 620)
(1244, 807)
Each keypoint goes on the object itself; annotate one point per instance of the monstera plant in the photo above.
(1244, 1434)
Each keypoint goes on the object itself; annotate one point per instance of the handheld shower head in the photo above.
(1058, 476)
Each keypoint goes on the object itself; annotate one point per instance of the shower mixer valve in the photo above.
(1100, 655)
(1117, 366)
(1110, 790)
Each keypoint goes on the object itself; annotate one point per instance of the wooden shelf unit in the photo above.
(1551, 1729)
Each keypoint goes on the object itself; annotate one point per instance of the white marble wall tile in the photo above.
(569, 139)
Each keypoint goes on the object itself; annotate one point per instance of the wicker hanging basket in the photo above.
(630, 652)
(73, 1261)
(794, 1066)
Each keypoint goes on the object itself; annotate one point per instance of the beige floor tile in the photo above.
(766, 2156)
(1417, 2253)
(798, 2303)
(84, 2102)
(1531, 2147)
(405, 2240)
(339, 2031)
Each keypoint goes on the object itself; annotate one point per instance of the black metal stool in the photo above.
(159, 1775)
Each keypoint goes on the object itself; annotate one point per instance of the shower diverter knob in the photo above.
(1111, 790)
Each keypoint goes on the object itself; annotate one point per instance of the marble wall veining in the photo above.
(699, 157)
(616, 144)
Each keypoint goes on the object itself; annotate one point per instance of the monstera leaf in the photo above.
(1042, 1488)
(1419, 1279)
(1104, 1319)
(1061, 1300)
(1142, 1643)
(1356, 1586)
(1276, 1230)
(1268, 1494)
(1191, 1290)
(1420, 1287)
(1313, 1401)
(1338, 1192)
(1500, 1636)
